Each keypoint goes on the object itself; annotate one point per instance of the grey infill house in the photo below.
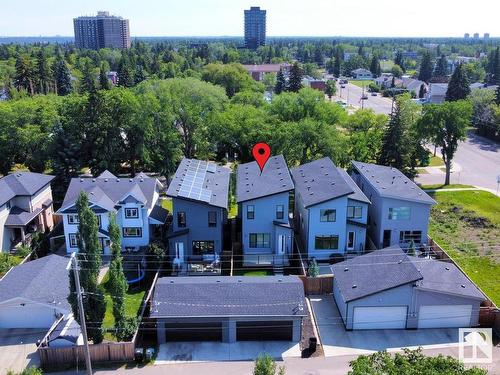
(263, 207)
(199, 192)
(387, 289)
(399, 210)
(228, 309)
(331, 211)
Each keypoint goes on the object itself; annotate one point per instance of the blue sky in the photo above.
(285, 17)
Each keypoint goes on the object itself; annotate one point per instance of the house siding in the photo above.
(4, 232)
(339, 300)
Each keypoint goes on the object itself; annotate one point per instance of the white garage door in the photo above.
(393, 317)
(28, 316)
(444, 316)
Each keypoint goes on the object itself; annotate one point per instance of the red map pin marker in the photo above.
(261, 153)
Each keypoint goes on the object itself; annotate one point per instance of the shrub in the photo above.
(265, 365)
(313, 269)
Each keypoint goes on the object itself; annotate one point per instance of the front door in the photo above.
(387, 238)
(351, 236)
(281, 244)
(179, 251)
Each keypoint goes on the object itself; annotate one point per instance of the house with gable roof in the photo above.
(134, 200)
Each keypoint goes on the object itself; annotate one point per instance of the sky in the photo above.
(377, 18)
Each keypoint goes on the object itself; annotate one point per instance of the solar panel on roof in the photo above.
(192, 184)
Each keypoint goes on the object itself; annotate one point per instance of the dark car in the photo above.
(374, 93)
(364, 97)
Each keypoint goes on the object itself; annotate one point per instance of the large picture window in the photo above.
(328, 215)
(354, 212)
(399, 213)
(132, 232)
(203, 247)
(326, 242)
(260, 240)
(212, 219)
(131, 213)
(250, 212)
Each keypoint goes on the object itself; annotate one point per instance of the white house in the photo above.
(385, 80)
(134, 200)
(361, 73)
(437, 93)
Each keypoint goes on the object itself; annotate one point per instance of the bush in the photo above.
(265, 365)
(125, 331)
(313, 269)
(23, 251)
(28, 371)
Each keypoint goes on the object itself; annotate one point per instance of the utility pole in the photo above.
(81, 313)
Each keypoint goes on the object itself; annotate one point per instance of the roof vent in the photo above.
(142, 180)
(280, 280)
(105, 180)
(346, 269)
(217, 281)
(93, 180)
(240, 281)
(81, 179)
(171, 281)
(130, 180)
(462, 286)
(400, 261)
(447, 268)
(117, 180)
(354, 286)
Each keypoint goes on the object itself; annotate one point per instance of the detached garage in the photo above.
(387, 289)
(228, 309)
(34, 294)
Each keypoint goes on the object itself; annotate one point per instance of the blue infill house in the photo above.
(263, 207)
(399, 210)
(330, 210)
(199, 192)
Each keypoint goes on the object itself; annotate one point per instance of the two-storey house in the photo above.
(25, 208)
(399, 210)
(135, 201)
(200, 192)
(263, 207)
(330, 210)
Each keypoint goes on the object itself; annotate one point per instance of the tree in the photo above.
(497, 96)
(88, 79)
(295, 81)
(494, 66)
(410, 362)
(62, 76)
(331, 89)
(397, 71)
(125, 72)
(375, 66)
(280, 83)
(117, 284)
(483, 118)
(445, 125)
(233, 77)
(441, 68)
(313, 270)
(337, 66)
(43, 72)
(89, 256)
(104, 83)
(265, 365)
(398, 60)
(422, 91)
(459, 86)
(25, 75)
(425, 72)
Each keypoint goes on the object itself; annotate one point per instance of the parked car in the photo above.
(374, 93)
(364, 97)
(342, 86)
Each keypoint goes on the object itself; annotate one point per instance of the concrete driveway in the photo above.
(339, 342)
(182, 352)
(18, 349)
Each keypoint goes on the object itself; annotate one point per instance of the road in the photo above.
(352, 95)
(476, 162)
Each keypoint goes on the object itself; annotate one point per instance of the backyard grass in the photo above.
(253, 273)
(441, 186)
(361, 82)
(467, 226)
(435, 161)
(167, 204)
(133, 300)
(8, 261)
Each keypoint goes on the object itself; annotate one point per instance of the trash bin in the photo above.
(148, 354)
(139, 355)
(313, 342)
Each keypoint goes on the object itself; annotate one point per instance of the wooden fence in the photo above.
(317, 285)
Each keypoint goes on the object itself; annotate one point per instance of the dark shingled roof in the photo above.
(319, 181)
(274, 179)
(210, 296)
(444, 277)
(67, 329)
(108, 192)
(18, 217)
(374, 272)
(358, 195)
(159, 214)
(391, 183)
(216, 180)
(44, 280)
(22, 183)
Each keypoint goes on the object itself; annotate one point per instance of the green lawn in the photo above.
(167, 204)
(435, 161)
(133, 300)
(253, 273)
(361, 82)
(422, 171)
(8, 261)
(441, 186)
(467, 225)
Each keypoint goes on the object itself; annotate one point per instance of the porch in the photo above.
(23, 225)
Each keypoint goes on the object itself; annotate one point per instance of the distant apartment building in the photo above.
(101, 31)
(255, 27)
(466, 36)
(476, 35)
(486, 36)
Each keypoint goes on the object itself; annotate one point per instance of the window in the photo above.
(203, 247)
(250, 212)
(326, 242)
(328, 215)
(132, 232)
(350, 240)
(73, 240)
(399, 213)
(407, 236)
(260, 240)
(280, 211)
(354, 212)
(131, 213)
(212, 218)
(98, 220)
(73, 219)
(8, 205)
(181, 219)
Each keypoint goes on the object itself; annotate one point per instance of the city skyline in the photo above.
(201, 18)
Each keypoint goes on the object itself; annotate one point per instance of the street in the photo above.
(352, 95)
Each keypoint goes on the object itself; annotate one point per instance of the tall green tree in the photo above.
(459, 86)
(296, 75)
(62, 76)
(425, 71)
(89, 259)
(25, 75)
(399, 60)
(104, 83)
(337, 66)
(441, 68)
(43, 72)
(445, 125)
(494, 66)
(125, 72)
(88, 80)
(331, 89)
(375, 66)
(280, 83)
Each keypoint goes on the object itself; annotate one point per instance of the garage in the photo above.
(392, 317)
(264, 331)
(211, 331)
(26, 315)
(444, 316)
